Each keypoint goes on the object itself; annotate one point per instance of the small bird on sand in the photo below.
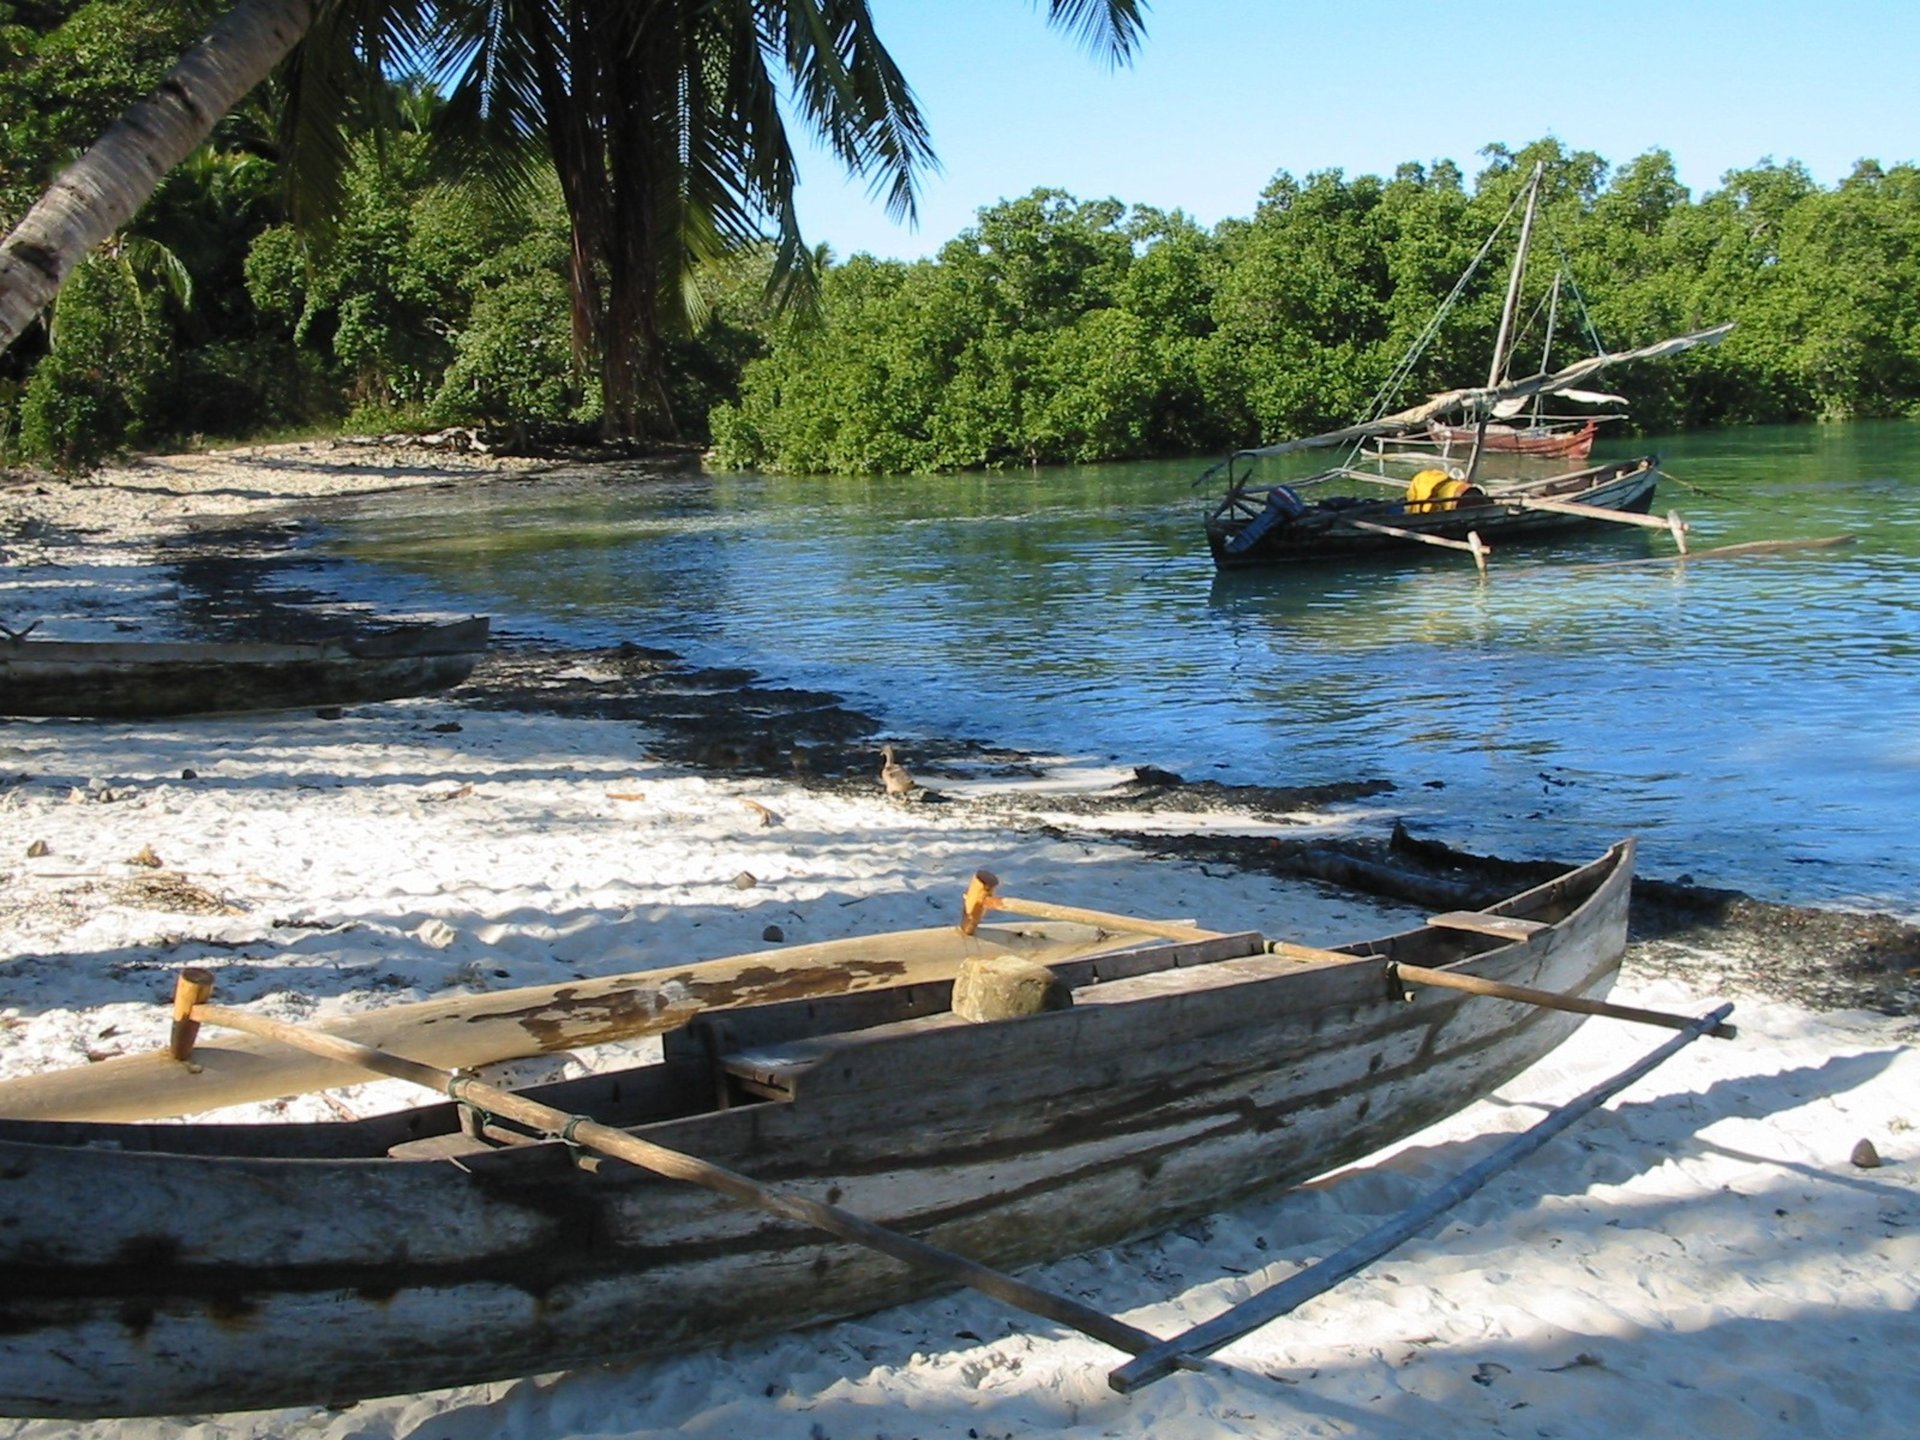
(893, 774)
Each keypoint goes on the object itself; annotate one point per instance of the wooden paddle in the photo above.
(982, 895)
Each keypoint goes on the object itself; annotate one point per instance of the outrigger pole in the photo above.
(191, 1011)
(1293, 1292)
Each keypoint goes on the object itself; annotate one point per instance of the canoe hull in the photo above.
(126, 681)
(226, 1280)
(1566, 443)
(1325, 535)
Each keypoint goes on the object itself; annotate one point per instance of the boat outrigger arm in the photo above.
(1479, 401)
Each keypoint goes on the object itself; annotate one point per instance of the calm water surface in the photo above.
(1755, 721)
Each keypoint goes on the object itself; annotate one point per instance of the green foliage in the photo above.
(1061, 331)
(93, 394)
(67, 70)
(512, 361)
(1051, 331)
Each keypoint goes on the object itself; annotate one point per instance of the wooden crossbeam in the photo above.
(983, 895)
(1507, 927)
(1473, 544)
(1670, 522)
(1545, 999)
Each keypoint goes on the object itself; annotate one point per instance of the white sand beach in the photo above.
(1700, 1257)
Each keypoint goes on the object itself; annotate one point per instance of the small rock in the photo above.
(146, 857)
(449, 727)
(1154, 775)
(189, 774)
(745, 880)
(39, 849)
(329, 712)
(436, 933)
(773, 935)
(1005, 987)
(1865, 1157)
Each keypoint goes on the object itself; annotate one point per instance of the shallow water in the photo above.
(1756, 721)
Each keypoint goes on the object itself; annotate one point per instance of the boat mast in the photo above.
(1546, 350)
(1497, 371)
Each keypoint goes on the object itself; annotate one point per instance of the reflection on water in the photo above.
(1754, 720)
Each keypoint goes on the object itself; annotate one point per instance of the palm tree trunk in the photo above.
(99, 192)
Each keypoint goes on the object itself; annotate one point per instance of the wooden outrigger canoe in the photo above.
(249, 1266)
(1471, 506)
(133, 680)
(1249, 528)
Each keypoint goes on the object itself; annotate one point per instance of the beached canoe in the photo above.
(135, 680)
(174, 1268)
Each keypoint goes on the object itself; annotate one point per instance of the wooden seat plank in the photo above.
(1507, 927)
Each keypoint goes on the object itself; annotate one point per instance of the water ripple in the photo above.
(1754, 720)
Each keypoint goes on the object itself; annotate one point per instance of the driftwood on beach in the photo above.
(140, 680)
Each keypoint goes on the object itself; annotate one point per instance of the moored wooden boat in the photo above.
(1248, 530)
(1567, 440)
(151, 679)
(1461, 501)
(246, 1266)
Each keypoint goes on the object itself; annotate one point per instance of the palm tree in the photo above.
(99, 192)
(662, 118)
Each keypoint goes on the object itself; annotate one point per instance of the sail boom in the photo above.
(1482, 400)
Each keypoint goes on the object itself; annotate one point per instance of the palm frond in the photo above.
(489, 57)
(854, 96)
(148, 259)
(333, 80)
(1110, 30)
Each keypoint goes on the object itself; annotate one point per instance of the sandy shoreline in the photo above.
(1701, 1257)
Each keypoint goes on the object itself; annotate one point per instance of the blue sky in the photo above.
(1226, 92)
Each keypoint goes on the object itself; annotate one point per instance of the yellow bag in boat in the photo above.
(1434, 490)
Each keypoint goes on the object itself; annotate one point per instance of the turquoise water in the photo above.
(1756, 721)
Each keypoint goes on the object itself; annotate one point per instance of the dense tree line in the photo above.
(1054, 329)
(1059, 331)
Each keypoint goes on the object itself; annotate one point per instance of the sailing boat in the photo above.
(1446, 504)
